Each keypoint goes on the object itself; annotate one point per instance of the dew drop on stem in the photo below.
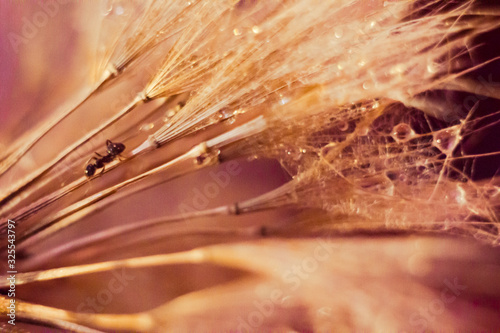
(402, 132)
(446, 140)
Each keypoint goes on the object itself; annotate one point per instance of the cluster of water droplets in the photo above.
(394, 160)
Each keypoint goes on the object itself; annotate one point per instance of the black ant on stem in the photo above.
(114, 149)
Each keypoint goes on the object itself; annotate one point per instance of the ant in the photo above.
(114, 149)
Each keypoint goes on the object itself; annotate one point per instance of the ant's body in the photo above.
(114, 149)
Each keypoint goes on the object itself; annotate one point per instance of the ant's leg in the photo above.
(91, 159)
(102, 170)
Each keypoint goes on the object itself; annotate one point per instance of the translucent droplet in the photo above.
(339, 33)
(147, 127)
(363, 131)
(397, 69)
(460, 195)
(256, 29)
(446, 140)
(119, 10)
(239, 111)
(293, 154)
(342, 125)
(362, 63)
(200, 159)
(328, 152)
(391, 175)
(225, 113)
(367, 85)
(296, 154)
(179, 106)
(236, 32)
(402, 132)
(171, 113)
(284, 100)
(432, 67)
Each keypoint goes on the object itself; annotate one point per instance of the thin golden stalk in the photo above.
(202, 155)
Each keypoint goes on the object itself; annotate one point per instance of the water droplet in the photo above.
(342, 125)
(225, 113)
(432, 67)
(256, 29)
(363, 131)
(362, 63)
(391, 175)
(284, 100)
(402, 132)
(367, 85)
(339, 33)
(171, 113)
(119, 10)
(397, 69)
(236, 32)
(328, 152)
(293, 154)
(179, 106)
(147, 127)
(446, 140)
(200, 159)
(460, 195)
